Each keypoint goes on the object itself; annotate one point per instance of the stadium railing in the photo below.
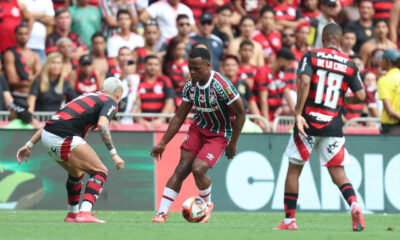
(283, 124)
(363, 125)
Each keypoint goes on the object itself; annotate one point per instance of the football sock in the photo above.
(206, 194)
(167, 199)
(93, 190)
(74, 188)
(348, 193)
(290, 201)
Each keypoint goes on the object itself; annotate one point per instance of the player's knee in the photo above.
(182, 169)
(104, 170)
(199, 170)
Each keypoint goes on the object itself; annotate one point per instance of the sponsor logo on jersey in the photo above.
(112, 108)
(203, 109)
(332, 56)
(321, 117)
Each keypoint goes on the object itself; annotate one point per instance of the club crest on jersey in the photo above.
(55, 117)
(157, 89)
(228, 90)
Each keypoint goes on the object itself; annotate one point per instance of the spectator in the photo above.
(125, 37)
(382, 9)
(394, 22)
(20, 117)
(310, 9)
(288, 38)
(155, 94)
(42, 12)
(61, 29)
(12, 14)
(109, 10)
(381, 41)
(358, 61)
(364, 26)
(165, 12)
(151, 35)
(64, 46)
(267, 36)
(215, 44)
(5, 96)
(51, 89)
(141, 6)
(125, 71)
(328, 13)
(249, 7)
(223, 25)
(61, 4)
(102, 64)
(376, 63)
(247, 27)
(246, 70)
(86, 20)
(176, 67)
(348, 41)
(197, 7)
(369, 81)
(271, 87)
(230, 69)
(301, 35)
(21, 64)
(85, 79)
(214, 5)
(286, 15)
(389, 93)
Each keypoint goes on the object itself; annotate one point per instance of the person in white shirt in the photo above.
(165, 13)
(43, 13)
(125, 38)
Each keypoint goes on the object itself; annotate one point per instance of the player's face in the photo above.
(151, 34)
(152, 67)
(124, 55)
(302, 34)
(183, 26)
(247, 28)
(99, 45)
(63, 21)
(179, 50)
(231, 68)
(65, 48)
(381, 29)
(370, 80)
(55, 66)
(366, 10)
(288, 38)
(199, 69)
(224, 17)
(22, 36)
(124, 21)
(246, 52)
(267, 20)
(349, 40)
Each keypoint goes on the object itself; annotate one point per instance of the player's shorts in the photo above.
(205, 144)
(59, 148)
(331, 150)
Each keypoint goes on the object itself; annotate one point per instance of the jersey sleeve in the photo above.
(227, 91)
(355, 82)
(305, 66)
(186, 92)
(109, 109)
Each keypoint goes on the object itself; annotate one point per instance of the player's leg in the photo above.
(298, 151)
(334, 156)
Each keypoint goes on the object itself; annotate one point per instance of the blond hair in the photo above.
(45, 79)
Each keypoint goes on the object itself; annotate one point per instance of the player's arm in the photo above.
(173, 128)
(25, 151)
(237, 109)
(104, 130)
(357, 88)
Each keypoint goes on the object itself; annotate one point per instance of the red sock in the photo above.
(74, 188)
(94, 187)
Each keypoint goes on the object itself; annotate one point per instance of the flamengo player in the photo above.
(216, 128)
(325, 75)
(63, 137)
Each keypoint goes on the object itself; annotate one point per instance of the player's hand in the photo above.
(230, 151)
(119, 163)
(301, 124)
(22, 153)
(157, 151)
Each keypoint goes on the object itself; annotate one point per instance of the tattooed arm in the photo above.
(105, 134)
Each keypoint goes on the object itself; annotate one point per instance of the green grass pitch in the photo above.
(38, 224)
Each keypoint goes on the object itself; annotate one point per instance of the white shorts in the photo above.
(59, 148)
(331, 150)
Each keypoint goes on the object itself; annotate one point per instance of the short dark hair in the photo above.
(97, 34)
(123, 11)
(60, 11)
(265, 9)
(182, 16)
(285, 53)
(349, 30)
(149, 57)
(246, 43)
(332, 30)
(196, 45)
(224, 7)
(122, 48)
(361, 1)
(202, 53)
(230, 56)
(247, 17)
(378, 20)
(21, 25)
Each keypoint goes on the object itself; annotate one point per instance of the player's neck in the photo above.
(204, 81)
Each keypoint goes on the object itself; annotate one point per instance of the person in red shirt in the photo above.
(267, 36)
(286, 15)
(251, 7)
(85, 79)
(301, 35)
(309, 9)
(155, 93)
(197, 7)
(246, 71)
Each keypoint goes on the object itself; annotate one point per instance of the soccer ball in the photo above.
(194, 209)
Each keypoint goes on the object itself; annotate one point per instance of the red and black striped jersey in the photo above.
(141, 54)
(287, 12)
(198, 7)
(52, 38)
(248, 74)
(270, 44)
(382, 8)
(331, 73)
(81, 115)
(290, 76)
(153, 94)
(86, 85)
(177, 72)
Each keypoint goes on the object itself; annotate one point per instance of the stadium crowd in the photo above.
(54, 51)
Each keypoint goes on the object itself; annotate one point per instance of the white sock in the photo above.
(167, 199)
(289, 220)
(206, 194)
(73, 209)
(86, 206)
